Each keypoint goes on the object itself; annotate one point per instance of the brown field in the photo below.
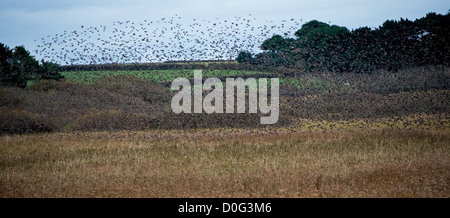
(227, 163)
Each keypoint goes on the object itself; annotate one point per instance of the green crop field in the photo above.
(311, 83)
(157, 76)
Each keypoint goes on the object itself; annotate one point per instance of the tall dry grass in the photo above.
(227, 163)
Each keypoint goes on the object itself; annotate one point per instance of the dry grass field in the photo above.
(227, 163)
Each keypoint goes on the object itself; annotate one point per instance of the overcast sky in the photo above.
(23, 21)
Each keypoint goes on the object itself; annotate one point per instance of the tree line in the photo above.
(395, 44)
(17, 67)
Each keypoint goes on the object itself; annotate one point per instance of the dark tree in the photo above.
(17, 67)
(394, 45)
(245, 57)
(318, 45)
(49, 70)
(276, 44)
(434, 35)
(5, 62)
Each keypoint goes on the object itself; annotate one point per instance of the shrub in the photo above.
(7, 97)
(110, 120)
(135, 87)
(44, 85)
(22, 122)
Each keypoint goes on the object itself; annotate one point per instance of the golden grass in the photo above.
(412, 121)
(227, 163)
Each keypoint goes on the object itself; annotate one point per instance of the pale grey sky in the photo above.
(23, 21)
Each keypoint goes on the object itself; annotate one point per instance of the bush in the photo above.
(135, 87)
(8, 98)
(23, 122)
(110, 120)
(44, 85)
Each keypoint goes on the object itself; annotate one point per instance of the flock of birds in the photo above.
(166, 39)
